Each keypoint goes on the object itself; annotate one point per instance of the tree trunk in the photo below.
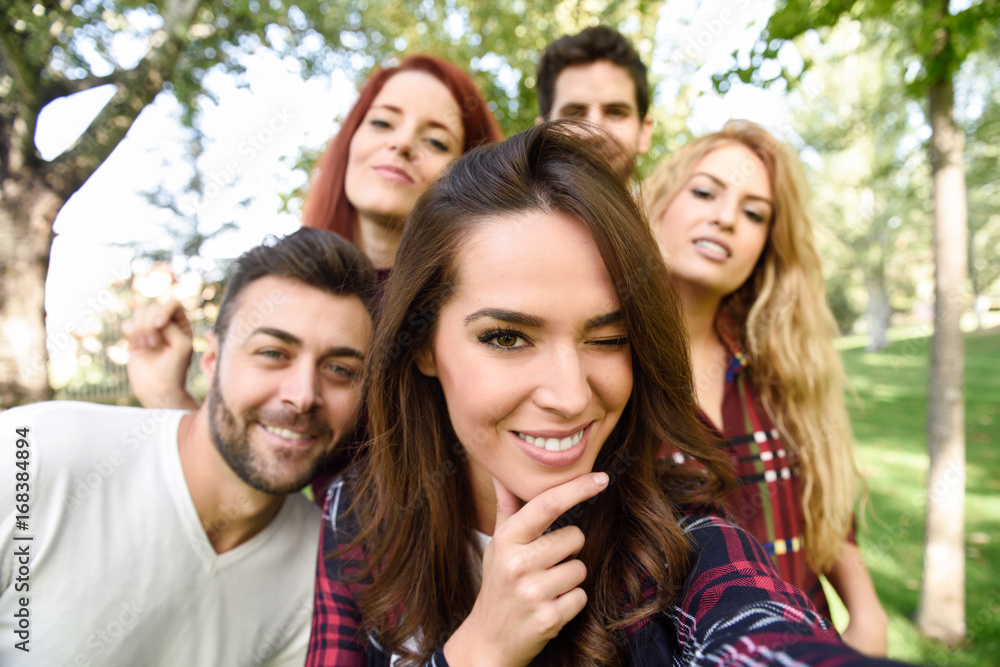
(28, 208)
(942, 598)
(878, 311)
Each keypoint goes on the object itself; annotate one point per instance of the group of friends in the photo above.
(531, 440)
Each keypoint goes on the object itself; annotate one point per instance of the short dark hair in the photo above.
(592, 44)
(315, 257)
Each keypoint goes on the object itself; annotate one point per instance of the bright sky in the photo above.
(254, 134)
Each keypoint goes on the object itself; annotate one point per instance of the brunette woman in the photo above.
(511, 506)
(731, 215)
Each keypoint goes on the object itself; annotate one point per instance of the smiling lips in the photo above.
(713, 248)
(553, 449)
(285, 433)
(553, 444)
(296, 440)
(393, 173)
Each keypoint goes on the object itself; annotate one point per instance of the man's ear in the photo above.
(645, 135)
(539, 120)
(210, 358)
(426, 363)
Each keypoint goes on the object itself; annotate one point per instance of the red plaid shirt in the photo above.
(768, 500)
(734, 608)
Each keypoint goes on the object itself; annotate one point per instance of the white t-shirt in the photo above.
(118, 570)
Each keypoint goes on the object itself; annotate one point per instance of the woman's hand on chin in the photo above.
(531, 578)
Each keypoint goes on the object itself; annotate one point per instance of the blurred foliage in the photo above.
(981, 118)
(843, 303)
(917, 29)
(869, 173)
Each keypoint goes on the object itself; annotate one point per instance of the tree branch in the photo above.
(137, 88)
(63, 87)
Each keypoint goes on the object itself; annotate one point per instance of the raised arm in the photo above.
(736, 609)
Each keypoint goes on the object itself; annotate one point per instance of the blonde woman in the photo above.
(729, 211)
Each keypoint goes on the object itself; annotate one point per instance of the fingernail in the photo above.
(601, 478)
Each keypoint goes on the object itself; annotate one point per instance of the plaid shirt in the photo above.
(768, 501)
(734, 608)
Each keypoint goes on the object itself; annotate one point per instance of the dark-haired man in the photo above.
(155, 537)
(597, 76)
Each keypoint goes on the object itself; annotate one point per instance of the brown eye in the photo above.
(503, 339)
(506, 340)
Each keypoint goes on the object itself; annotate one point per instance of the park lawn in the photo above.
(889, 418)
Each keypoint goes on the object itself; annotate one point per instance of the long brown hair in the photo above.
(782, 319)
(326, 205)
(413, 499)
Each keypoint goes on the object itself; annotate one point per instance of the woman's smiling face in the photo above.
(715, 229)
(411, 132)
(532, 354)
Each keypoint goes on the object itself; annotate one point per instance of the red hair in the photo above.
(326, 205)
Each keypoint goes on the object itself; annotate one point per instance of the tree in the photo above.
(869, 180)
(937, 44)
(50, 50)
(54, 48)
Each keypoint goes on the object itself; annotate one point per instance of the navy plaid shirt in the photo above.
(734, 609)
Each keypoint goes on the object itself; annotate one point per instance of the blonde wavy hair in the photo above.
(781, 317)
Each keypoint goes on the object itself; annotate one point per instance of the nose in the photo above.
(727, 212)
(301, 386)
(403, 141)
(563, 382)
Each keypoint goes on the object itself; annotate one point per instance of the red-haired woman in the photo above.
(410, 121)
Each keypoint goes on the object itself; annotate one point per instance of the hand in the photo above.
(530, 590)
(160, 343)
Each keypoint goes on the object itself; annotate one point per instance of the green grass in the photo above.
(890, 423)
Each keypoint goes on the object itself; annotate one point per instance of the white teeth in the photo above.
(285, 433)
(553, 444)
(713, 246)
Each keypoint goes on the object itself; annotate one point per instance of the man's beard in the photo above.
(232, 439)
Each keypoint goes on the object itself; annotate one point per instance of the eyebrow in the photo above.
(723, 184)
(579, 106)
(431, 122)
(571, 106)
(523, 319)
(602, 320)
(289, 339)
